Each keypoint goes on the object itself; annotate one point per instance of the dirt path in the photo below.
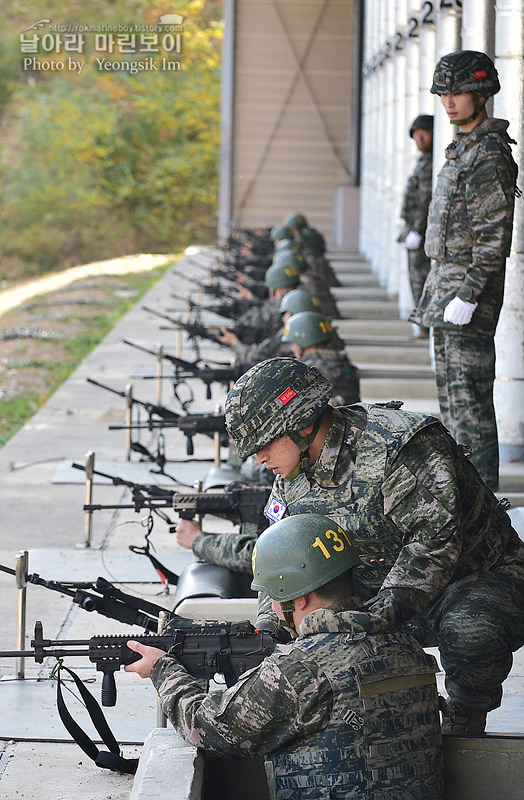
(11, 298)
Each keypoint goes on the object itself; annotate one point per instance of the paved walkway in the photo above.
(41, 498)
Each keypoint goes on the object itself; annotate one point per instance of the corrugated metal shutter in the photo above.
(291, 128)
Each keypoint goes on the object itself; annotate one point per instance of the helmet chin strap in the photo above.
(303, 443)
(477, 108)
(288, 607)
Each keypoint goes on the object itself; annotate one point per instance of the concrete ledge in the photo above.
(169, 769)
(489, 767)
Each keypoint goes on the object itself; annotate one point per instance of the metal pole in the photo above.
(128, 391)
(88, 519)
(21, 569)
(161, 719)
(159, 372)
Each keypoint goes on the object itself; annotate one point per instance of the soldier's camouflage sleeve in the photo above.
(283, 699)
(424, 188)
(232, 550)
(417, 195)
(490, 205)
(421, 494)
(270, 347)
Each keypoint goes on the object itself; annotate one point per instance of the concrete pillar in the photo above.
(397, 263)
(427, 32)
(448, 21)
(509, 339)
(368, 133)
(383, 121)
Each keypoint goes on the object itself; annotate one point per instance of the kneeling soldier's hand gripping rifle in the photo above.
(203, 648)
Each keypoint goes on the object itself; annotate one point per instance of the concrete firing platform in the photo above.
(40, 513)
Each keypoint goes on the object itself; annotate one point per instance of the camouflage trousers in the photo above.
(465, 371)
(479, 622)
(418, 267)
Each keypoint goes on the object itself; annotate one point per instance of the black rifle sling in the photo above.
(166, 575)
(107, 760)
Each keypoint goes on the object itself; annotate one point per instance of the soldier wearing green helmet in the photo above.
(280, 278)
(437, 547)
(315, 707)
(468, 239)
(415, 204)
(314, 341)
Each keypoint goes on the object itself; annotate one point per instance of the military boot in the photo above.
(456, 719)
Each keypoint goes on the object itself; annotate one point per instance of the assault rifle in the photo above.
(212, 289)
(188, 424)
(239, 502)
(231, 310)
(103, 598)
(152, 409)
(194, 369)
(197, 330)
(204, 648)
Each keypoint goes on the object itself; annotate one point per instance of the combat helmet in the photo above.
(287, 244)
(307, 328)
(281, 232)
(298, 300)
(423, 121)
(282, 276)
(296, 220)
(291, 257)
(465, 71)
(275, 398)
(299, 554)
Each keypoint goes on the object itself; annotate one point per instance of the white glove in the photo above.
(459, 312)
(413, 241)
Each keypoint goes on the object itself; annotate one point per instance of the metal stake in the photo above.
(88, 519)
(21, 567)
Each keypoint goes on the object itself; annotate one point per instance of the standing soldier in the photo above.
(415, 206)
(468, 238)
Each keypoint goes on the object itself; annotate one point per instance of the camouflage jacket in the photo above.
(271, 347)
(339, 370)
(315, 706)
(415, 507)
(266, 316)
(417, 197)
(469, 230)
(232, 550)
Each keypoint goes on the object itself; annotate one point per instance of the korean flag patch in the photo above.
(275, 509)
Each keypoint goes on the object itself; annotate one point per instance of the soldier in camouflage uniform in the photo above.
(433, 539)
(416, 203)
(340, 712)
(280, 279)
(468, 238)
(311, 337)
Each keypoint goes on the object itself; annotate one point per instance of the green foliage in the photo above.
(14, 412)
(103, 163)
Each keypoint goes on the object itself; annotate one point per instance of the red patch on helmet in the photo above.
(481, 73)
(286, 395)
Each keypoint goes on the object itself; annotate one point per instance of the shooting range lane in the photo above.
(42, 512)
